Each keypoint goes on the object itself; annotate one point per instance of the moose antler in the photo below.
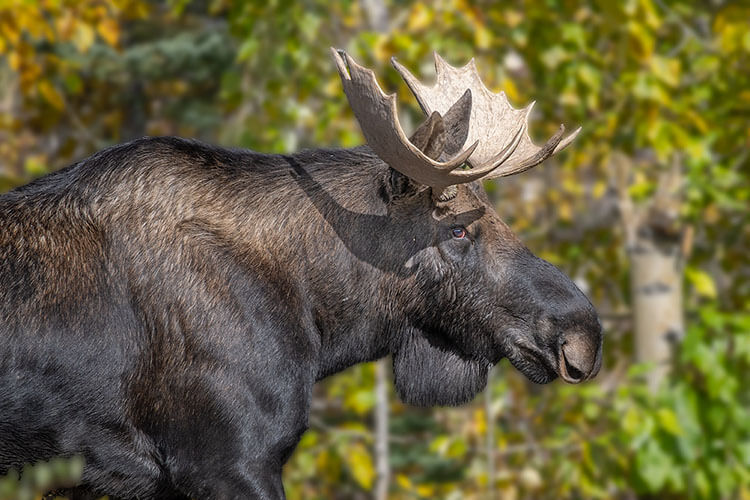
(495, 124)
(378, 118)
(497, 132)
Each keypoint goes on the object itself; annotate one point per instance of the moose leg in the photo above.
(266, 483)
(242, 466)
(233, 439)
(229, 427)
(258, 481)
(226, 396)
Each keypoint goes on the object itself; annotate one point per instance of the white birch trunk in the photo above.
(656, 247)
(656, 281)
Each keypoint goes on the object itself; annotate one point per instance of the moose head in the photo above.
(474, 293)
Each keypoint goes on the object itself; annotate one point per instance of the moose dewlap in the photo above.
(166, 306)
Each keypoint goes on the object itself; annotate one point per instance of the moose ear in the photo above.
(456, 121)
(437, 137)
(430, 137)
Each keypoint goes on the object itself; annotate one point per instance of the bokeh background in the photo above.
(648, 211)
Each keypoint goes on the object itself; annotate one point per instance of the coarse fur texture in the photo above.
(166, 307)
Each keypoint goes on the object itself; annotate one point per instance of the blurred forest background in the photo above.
(648, 210)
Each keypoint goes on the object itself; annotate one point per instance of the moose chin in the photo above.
(166, 306)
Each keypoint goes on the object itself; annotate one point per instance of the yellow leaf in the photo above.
(51, 95)
(666, 70)
(510, 90)
(64, 25)
(698, 120)
(36, 165)
(360, 465)
(332, 87)
(109, 31)
(457, 448)
(702, 282)
(482, 38)
(403, 481)
(551, 257)
(572, 185)
(426, 490)
(84, 37)
(569, 97)
(711, 214)
(513, 18)
(480, 421)
(651, 14)
(420, 18)
(565, 211)
(440, 444)
(328, 464)
(379, 49)
(642, 39)
(14, 60)
(10, 33)
(600, 187)
(631, 422)
(361, 401)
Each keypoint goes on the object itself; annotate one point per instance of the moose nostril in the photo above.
(572, 371)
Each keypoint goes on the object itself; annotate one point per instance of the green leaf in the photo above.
(668, 421)
(653, 466)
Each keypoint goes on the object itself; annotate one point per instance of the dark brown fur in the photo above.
(166, 307)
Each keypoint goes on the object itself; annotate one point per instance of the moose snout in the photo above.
(580, 355)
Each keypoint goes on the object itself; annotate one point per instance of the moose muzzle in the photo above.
(580, 356)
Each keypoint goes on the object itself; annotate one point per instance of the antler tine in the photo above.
(378, 118)
(494, 122)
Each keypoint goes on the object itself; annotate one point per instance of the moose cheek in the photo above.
(456, 251)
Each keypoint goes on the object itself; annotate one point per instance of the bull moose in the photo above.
(166, 306)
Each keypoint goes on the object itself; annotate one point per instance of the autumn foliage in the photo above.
(657, 85)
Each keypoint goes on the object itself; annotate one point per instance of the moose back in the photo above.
(166, 306)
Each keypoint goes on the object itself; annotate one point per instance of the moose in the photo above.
(166, 306)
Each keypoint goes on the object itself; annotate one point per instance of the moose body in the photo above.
(166, 307)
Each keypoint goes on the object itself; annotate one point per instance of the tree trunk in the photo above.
(490, 438)
(655, 241)
(382, 465)
(377, 14)
(656, 280)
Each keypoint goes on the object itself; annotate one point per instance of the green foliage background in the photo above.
(655, 81)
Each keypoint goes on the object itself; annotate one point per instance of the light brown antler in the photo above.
(378, 118)
(501, 131)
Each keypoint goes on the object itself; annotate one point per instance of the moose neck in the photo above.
(350, 266)
(360, 246)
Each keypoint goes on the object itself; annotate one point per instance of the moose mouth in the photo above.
(534, 364)
(542, 368)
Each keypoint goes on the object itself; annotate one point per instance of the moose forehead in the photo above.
(472, 208)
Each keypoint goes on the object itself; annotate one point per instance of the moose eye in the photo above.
(459, 233)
